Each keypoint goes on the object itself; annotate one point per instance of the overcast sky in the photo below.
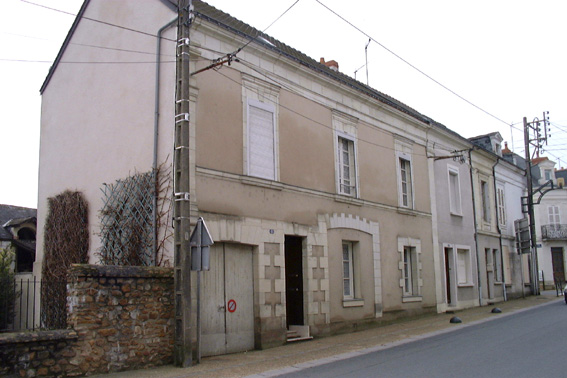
(506, 57)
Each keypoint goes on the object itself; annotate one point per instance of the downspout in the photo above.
(475, 230)
(499, 230)
(156, 135)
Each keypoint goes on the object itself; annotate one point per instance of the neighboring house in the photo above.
(551, 221)
(18, 230)
(454, 221)
(498, 185)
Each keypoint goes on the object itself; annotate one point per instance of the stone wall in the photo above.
(120, 318)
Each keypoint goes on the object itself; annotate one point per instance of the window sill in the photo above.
(346, 199)
(412, 299)
(353, 302)
(406, 211)
(263, 183)
(460, 215)
(465, 285)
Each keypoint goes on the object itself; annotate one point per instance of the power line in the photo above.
(413, 66)
(95, 20)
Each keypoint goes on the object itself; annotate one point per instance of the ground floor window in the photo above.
(410, 268)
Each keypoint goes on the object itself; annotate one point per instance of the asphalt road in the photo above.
(532, 343)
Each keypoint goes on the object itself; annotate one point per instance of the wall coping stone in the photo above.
(115, 271)
(31, 337)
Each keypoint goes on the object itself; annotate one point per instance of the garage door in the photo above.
(227, 317)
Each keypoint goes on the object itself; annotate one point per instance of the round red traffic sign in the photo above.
(231, 305)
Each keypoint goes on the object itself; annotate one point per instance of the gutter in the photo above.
(498, 229)
(475, 230)
(156, 134)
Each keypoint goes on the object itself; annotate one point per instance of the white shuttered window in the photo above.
(261, 140)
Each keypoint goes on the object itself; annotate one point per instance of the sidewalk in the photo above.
(299, 355)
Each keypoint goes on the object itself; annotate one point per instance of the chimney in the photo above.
(506, 150)
(332, 64)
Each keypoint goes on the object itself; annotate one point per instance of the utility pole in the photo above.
(536, 139)
(181, 192)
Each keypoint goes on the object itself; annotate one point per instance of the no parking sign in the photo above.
(231, 305)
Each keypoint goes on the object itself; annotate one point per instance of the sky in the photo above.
(474, 66)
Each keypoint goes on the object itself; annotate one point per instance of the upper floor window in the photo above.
(261, 140)
(346, 167)
(501, 205)
(553, 215)
(454, 192)
(485, 198)
(547, 174)
(345, 133)
(405, 182)
(260, 116)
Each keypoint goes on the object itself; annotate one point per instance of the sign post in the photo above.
(200, 242)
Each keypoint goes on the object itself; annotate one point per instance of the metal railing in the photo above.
(554, 232)
(21, 308)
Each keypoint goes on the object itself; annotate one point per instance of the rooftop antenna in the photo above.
(366, 55)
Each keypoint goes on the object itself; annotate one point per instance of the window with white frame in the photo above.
(553, 215)
(410, 273)
(409, 250)
(485, 198)
(348, 270)
(346, 166)
(464, 266)
(501, 205)
(405, 181)
(547, 174)
(261, 140)
(454, 192)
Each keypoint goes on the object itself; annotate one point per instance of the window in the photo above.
(261, 140)
(410, 274)
(497, 265)
(501, 205)
(346, 167)
(464, 271)
(547, 174)
(348, 279)
(553, 215)
(485, 197)
(409, 250)
(406, 190)
(454, 192)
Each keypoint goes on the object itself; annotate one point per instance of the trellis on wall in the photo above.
(129, 235)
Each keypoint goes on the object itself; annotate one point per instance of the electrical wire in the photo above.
(95, 20)
(412, 66)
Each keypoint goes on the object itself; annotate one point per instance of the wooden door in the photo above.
(227, 317)
(294, 280)
(558, 265)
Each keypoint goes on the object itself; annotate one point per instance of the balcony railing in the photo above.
(554, 232)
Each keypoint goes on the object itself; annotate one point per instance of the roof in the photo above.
(226, 21)
(11, 216)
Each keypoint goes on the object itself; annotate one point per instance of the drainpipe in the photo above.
(499, 230)
(156, 134)
(475, 230)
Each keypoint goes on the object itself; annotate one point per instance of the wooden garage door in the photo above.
(227, 301)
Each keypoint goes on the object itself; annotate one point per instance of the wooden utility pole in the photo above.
(182, 210)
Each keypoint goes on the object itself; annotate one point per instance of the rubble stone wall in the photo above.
(119, 318)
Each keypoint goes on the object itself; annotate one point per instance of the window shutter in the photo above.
(261, 161)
